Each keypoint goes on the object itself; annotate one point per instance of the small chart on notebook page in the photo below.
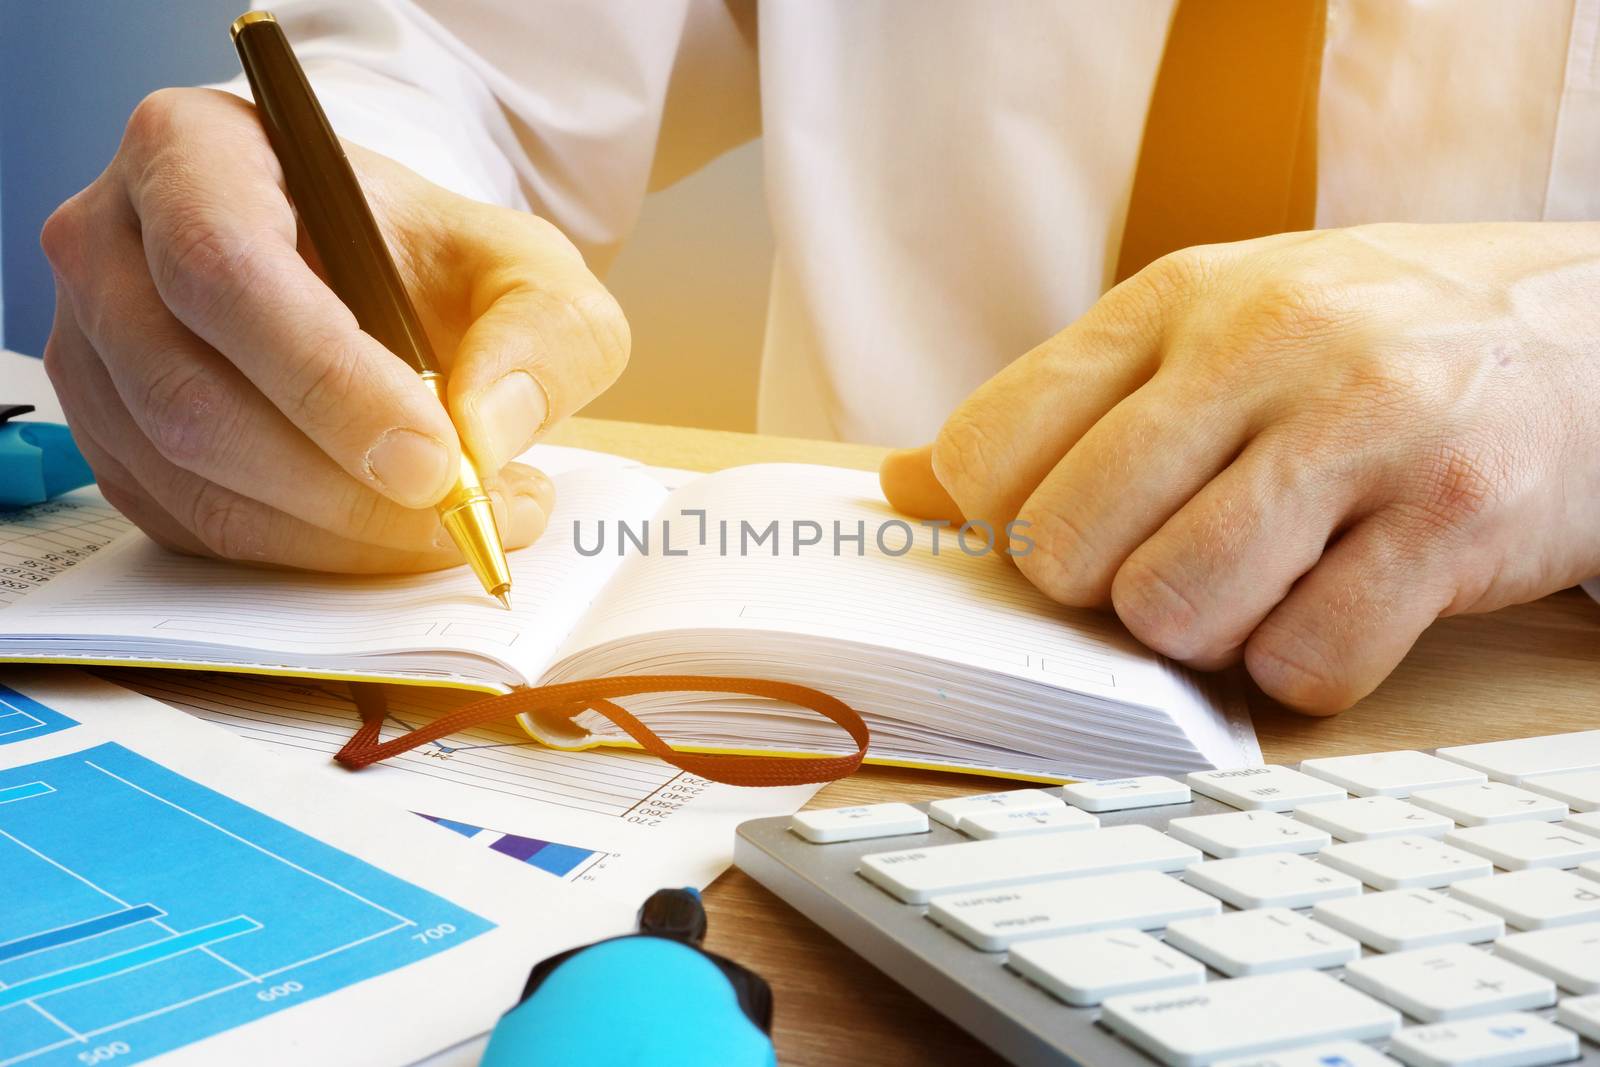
(118, 946)
(321, 716)
(39, 542)
(571, 862)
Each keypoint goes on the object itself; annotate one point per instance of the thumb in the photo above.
(908, 481)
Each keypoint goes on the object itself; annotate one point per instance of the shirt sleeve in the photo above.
(572, 109)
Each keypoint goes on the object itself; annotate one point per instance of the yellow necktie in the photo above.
(1230, 143)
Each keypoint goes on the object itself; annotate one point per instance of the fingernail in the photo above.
(410, 466)
(512, 412)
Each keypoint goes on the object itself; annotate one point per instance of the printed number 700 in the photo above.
(434, 933)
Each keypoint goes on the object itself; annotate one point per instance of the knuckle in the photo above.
(966, 455)
(1296, 668)
(55, 365)
(225, 523)
(182, 410)
(1145, 302)
(1058, 562)
(199, 266)
(365, 518)
(320, 389)
(1457, 486)
(155, 118)
(368, 518)
(1375, 386)
(1290, 307)
(594, 316)
(601, 315)
(1157, 610)
(136, 506)
(1183, 271)
(63, 238)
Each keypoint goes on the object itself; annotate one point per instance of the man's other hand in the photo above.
(225, 397)
(1303, 449)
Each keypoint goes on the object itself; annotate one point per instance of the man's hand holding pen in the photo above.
(226, 398)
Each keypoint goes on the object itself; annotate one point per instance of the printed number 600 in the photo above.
(271, 993)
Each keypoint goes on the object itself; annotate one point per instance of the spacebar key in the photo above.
(1197, 1025)
(916, 874)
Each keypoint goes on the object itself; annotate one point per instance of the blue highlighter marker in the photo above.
(38, 460)
(652, 997)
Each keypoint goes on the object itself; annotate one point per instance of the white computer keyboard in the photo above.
(1435, 909)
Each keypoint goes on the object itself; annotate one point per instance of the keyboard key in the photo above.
(1587, 821)
(1247, 833)
(1261, 942)
(1367, 818)
(1513, 1039)
(1332, 1054)
(1483, 805)
(990, 920)
(1578, 790)
(1405, 862)
(1267, 788)
(828, 825)
(1516, 846)
(1403, 919)
(1533, 900)
(1121, 794)
(1246, 1017)
(1390, 774)
(1581, 1014)
(1275, 881)
(1567, 955)
(1085, 969)
(915, 875)
(1015, 822)
(1512, 761)
(951, 810)
(1449, 982)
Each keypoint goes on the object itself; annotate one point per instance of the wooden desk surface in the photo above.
(1527, 670)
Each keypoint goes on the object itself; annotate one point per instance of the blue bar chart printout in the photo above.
(23, 718)
(141, 911)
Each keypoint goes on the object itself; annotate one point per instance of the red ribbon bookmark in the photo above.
(561, 703)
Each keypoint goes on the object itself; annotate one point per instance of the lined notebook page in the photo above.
(980, 612)
(151, 598)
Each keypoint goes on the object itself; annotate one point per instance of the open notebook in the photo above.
(954, 660)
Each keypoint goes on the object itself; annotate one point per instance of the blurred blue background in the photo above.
(70, 71)
(692, 278)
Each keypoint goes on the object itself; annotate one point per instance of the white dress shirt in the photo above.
(947, 180)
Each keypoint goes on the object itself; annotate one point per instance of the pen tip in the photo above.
(505, 601)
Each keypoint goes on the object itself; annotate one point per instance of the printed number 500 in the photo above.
(102, 1053)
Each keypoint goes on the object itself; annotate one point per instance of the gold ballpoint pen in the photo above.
(339, 222)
